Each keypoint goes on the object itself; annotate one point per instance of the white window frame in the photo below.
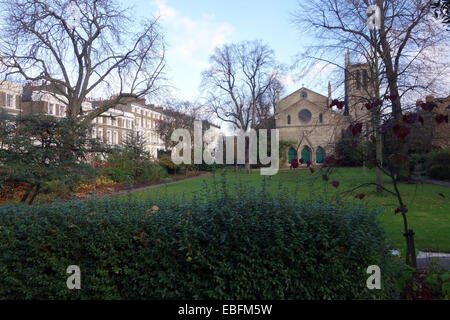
(51, 108)
(10, 101)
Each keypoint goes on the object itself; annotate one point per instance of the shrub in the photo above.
(229, 242)
(440, 164)
(115, 174)
(38, 149)
(152, 173)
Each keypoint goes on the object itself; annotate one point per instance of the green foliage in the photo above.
(435, 164)
(133, 161)
(440, 164)
(152, 173)
(165, 161)
(283, 150)
(116, 174)
(227, 242)
(38, 149)
(353, 150)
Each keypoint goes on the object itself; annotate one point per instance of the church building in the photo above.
(310, 127)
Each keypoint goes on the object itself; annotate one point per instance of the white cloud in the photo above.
(190, 43)
(194, 37)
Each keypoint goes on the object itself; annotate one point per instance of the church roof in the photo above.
(303, 89)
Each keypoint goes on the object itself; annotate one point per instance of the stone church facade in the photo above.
(310, 127)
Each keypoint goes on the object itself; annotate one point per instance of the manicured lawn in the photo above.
(428, 216)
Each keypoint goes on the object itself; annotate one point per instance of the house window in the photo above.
(116, 137)
(100, 134)
(108, 136)
(320, 118)
(94, 133)
(51, 108)
(10, 101)
(62, 110)
(289, 119)
(124, 136)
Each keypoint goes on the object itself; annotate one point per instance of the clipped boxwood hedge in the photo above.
(244, 244)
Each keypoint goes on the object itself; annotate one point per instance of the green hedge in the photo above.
(245, 244)
(440, 164)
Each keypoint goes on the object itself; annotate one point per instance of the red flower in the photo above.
(334, 184)
(106, 165)
(356, 128)
(360, 196)
(301, 160)
(339, 104)
(311, 169)
(428, 106)
(401, 131)
(391, 97)
(324, 177)
(410, 118)
(308, 163)
(330, 160)
(403, 210)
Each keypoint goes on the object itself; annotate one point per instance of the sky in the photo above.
(193, 28)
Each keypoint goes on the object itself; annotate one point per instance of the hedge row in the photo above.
(245, 244)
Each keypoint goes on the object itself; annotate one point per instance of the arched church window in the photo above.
(304, 115)
(320, 155)
(289, 119)
(358, 79)
(292, 153)
(306, 154)
(365, 79)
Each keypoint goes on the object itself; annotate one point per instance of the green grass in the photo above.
(428, 216)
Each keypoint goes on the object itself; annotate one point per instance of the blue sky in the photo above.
(194, 28)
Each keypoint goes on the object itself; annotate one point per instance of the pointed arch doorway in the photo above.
(306, 154)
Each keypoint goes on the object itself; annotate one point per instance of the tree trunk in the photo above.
(391, 76)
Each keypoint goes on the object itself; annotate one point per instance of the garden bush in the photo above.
(115, 174)
(440, 164)
(228, 242)
(152, 173)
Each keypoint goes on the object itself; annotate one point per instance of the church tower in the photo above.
(358, 89)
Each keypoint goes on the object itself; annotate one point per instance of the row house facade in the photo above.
(10, 97)
(112, 127)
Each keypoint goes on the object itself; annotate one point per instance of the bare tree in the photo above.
(406, 44)
(181, 115)
(80, 48)
(238, 82)
(442, 10)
